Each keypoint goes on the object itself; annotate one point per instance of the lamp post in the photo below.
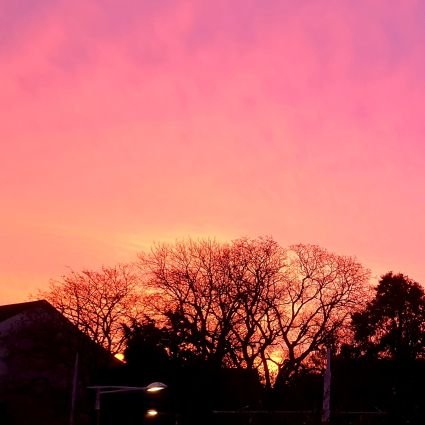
(326, 409)
(153, 387)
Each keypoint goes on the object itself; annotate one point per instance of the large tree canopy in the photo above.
(247, 304)
(393, 323)
(320, 290)
(251, 303)
(217, 298)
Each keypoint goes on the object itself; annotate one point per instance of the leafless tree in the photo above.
(250, 302)
(222, 296)
(319, 292)
(99, 302)
(186, 282)
(255, 268)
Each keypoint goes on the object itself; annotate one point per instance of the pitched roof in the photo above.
(10, 310)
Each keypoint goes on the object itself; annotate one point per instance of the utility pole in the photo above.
(74, 391)
(326, 408)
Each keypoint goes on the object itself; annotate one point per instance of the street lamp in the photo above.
(153, 387)
(152, 413)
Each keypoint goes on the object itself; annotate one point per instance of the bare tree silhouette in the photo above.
(99, 302)
(249, 303)
(320, 290)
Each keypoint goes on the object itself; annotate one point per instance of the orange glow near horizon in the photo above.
(120, 357)
(125, 123)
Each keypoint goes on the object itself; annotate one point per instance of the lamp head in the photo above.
(151, 413)
(155, 387)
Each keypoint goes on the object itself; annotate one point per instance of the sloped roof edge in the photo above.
(10, 310)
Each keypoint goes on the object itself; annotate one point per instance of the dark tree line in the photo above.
(201, 311)
(249, 304)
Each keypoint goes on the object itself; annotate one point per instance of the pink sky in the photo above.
(125, 122)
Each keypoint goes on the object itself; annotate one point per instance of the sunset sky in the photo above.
(125, 122)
